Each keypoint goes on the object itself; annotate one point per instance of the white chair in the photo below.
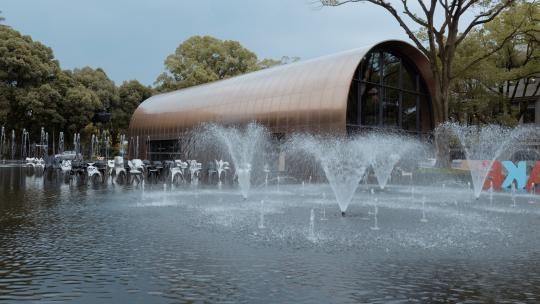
(135, 172)
(194, 168)
(39, 164)
(179, 168)
(221, 166)
(110, 166)
(65, 166)
(139, 165)
(119, 168)
(30, 162)
(93, 171)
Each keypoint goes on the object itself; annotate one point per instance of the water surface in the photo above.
(110, 243)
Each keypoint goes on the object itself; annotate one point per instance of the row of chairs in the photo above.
(138, 169)
(129, 171)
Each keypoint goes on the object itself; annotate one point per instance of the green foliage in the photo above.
(24, 62)
(131, 94)
(203, 59)
(4, 102)
(491, 61)
(268, 62)
(79, 105)
(35, 92)
(98, 82)
(438, 28)
(28, 72)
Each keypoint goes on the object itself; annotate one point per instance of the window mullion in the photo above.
(381, 88)
(400, 92)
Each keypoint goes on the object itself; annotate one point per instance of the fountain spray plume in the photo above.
(77, 144)
(61, 143)
(245, 145)
(2, 141)
(343, 160)
(388, 150)
(221, 166)
(483, 145)
(122, 145)
(261, 215)
(311, 233)
(25, 144)
(12, 144)
(43, 143)
(106, 143)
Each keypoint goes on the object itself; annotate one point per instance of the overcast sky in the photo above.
(130, 39)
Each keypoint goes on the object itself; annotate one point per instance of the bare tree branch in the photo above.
(489, 16)
(391, 10)
(488, 54)
(423, 6)
(412, 15)
(442, 40)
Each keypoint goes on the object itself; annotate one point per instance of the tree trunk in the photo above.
(441, 99)
(442, 149)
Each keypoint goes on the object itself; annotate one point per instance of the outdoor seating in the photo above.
(194, 169)
(135, 173)
(138, 164)
(110, 166)
(93, 172)
(153, 171)
(65, 167)
(119, 168)
(178, 170)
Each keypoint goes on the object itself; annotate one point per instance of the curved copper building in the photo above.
(386, 85)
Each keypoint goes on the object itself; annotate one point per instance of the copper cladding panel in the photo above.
(306, 96)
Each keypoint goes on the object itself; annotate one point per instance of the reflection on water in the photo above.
(85, 243)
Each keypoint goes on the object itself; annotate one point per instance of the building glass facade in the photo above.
(387, 92)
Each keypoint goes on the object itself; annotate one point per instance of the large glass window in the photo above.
(390, 115)
(408, 112)
(370, 104)
(391, 68)
(387, 91)
(163, 149)
(372, 71)
(529, 115)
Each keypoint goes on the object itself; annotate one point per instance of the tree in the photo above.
(80, 104)
(28, 71)
(4, 103)
(97, 81)
(131, 94)
(268, 62)
(35, 92)
(2, 18)
(517, 58)
(505, 56)
(203, 59)
(24, 62)
(438, 38)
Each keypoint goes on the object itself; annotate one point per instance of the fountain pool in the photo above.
(79, 243)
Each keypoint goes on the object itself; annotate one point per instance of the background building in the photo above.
(528, 94)
(386, 85)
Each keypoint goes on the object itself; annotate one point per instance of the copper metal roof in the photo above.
(308, 95)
